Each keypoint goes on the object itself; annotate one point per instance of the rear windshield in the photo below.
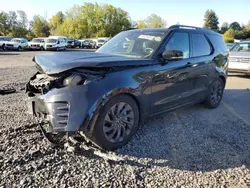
(241, 47)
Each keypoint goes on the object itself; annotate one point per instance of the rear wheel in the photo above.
(19, 48)
(117, 123)
(215, 93)
(4, 47)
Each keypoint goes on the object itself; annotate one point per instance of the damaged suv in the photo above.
(103, 95)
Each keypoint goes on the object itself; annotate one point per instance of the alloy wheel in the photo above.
(118, 122)
(217, 91)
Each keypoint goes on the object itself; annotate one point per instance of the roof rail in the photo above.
(183, 27)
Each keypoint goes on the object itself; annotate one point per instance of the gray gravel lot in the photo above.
(189, 147)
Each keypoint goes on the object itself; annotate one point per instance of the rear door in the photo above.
(202, 51)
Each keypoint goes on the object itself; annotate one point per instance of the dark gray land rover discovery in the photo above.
(102, 96)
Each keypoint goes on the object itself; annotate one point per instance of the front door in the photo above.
(173, 82)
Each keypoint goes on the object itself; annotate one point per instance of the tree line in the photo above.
(81, 21)
(230, 31)
(98, 20)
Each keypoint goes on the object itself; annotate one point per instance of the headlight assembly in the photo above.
(72, 80)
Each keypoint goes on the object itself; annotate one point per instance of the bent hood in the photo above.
(54, 63)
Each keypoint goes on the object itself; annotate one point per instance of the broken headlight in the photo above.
(72, 80)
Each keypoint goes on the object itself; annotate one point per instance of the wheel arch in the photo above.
(90, 120)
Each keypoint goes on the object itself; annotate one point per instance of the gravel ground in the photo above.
(189, 147)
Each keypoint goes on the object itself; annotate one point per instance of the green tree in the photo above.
(56, 23)
(152, 21)
(141, 24)
(235, 26)
(224, 27)
(4, 26)
(229, 35)
(211, 20)
(40, 26)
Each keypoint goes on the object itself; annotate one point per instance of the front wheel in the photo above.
(117, 123)
(215, 93)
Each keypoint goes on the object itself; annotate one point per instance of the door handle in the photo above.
(189, 64)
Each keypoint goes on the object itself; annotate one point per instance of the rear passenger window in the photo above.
(201, 47)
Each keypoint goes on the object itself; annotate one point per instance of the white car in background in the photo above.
(17, 44)
(239, 58)
(56, 43)
(3, 41)
(37, 43)
(101, 41)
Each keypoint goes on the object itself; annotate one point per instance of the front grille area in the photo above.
(49, 46)
(10, 45)
(60, 112)
(240, 59)
(35, 45)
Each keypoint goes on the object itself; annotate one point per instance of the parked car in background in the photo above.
(56, 43)
(86, 44)
(37, 43)
(92, 44)
(239, 58)
(73, 43)
(103, 95)
(17, 44)
(3, 41)
(101, 41)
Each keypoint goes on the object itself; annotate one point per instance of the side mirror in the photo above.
(172, 55)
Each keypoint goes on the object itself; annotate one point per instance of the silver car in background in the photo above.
(239, 58)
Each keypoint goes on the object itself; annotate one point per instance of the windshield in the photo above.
(51, 41)
(136, 43)
(37, 40)
(15, 40)
(101, 41)
(242, 47)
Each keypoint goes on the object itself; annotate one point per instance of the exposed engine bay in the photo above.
(41, 83)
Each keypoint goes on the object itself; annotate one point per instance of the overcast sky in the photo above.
(188, 12)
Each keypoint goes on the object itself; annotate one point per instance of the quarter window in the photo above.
(201, 47)
(179, 41)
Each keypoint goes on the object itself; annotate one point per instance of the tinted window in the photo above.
(179, 41)
(218, 41)
(201, 46)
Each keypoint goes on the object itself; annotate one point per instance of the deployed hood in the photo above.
(54, 63)
(239, 54)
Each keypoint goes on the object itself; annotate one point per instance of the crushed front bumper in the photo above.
(65, 109)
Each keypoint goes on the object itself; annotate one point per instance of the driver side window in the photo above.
(179, 41)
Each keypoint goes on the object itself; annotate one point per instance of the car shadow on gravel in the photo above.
(196, 138)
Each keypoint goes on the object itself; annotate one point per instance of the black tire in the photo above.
(57, 49)
(126, 130)
(215, 93)
(42, 48)
(19, 48)
(4, 47)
